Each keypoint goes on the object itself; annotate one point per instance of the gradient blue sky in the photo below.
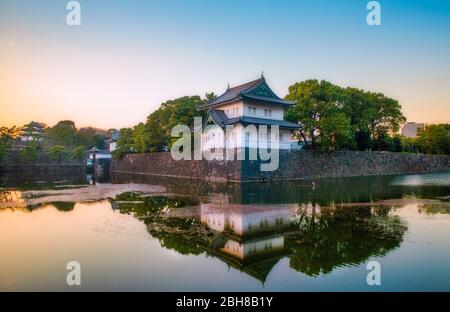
(129, 56)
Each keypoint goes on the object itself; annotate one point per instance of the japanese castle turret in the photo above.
(232, 115)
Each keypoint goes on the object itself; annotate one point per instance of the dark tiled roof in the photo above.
(267, 99)
(221, 119)
(233, 93)
(271, 122)
(95, 149)
(246, 91)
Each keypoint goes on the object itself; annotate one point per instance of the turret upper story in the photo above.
(253, 99)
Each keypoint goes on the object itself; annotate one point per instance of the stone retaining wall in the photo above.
(162, 164)
(293, 165)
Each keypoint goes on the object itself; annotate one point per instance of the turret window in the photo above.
(267, 113)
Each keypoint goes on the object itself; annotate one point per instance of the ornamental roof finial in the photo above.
(262, 74)
(228, 86)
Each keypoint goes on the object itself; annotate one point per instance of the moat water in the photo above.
(153, 234)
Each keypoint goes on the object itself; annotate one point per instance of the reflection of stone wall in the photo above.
(293, 165)
(14, 170)
(17, 175)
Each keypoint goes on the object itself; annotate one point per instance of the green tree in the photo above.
(57, 152)
(335, 131)
(3, 150)
(372, 113)
(89, 137)
(210, 96)
(155, 130)
(125, 143)
(326, 109)
(155, 134)
(63, 133)
(363, 140)
(13, 132)
(397, 143)
(388, 115)
(383, 142)
(6, 139)
(314, 100)
(79, 152)
(31, 151)
(434, 139)
(141, 138)
(409, 145)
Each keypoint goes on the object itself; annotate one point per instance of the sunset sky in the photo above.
(127, 57)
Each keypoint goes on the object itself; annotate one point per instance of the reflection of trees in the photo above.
(12, 199)
(187, 237)
(318, 240)
(9, 196)
(336, 237)
(60, 206)
(436, 207)
(180, 234)
(142, 206)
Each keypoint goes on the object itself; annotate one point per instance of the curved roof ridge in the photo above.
(245, 86)
(238, 92)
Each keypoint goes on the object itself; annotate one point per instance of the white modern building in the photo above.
(235, 119)
(410, 129)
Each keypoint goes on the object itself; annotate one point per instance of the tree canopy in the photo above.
(60, 142)
(155, 134)
(6, 139)
(434, 139)
(64, 133)
(59, 153)
(31, 151)
(334, 117)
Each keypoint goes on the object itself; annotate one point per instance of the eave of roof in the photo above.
(245, 120)
(221, 119)
(268, 99)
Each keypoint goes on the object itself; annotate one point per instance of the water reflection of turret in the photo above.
(249, 237)
(246, 220)
(253, 238)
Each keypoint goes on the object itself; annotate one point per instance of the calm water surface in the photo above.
(181, 235)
